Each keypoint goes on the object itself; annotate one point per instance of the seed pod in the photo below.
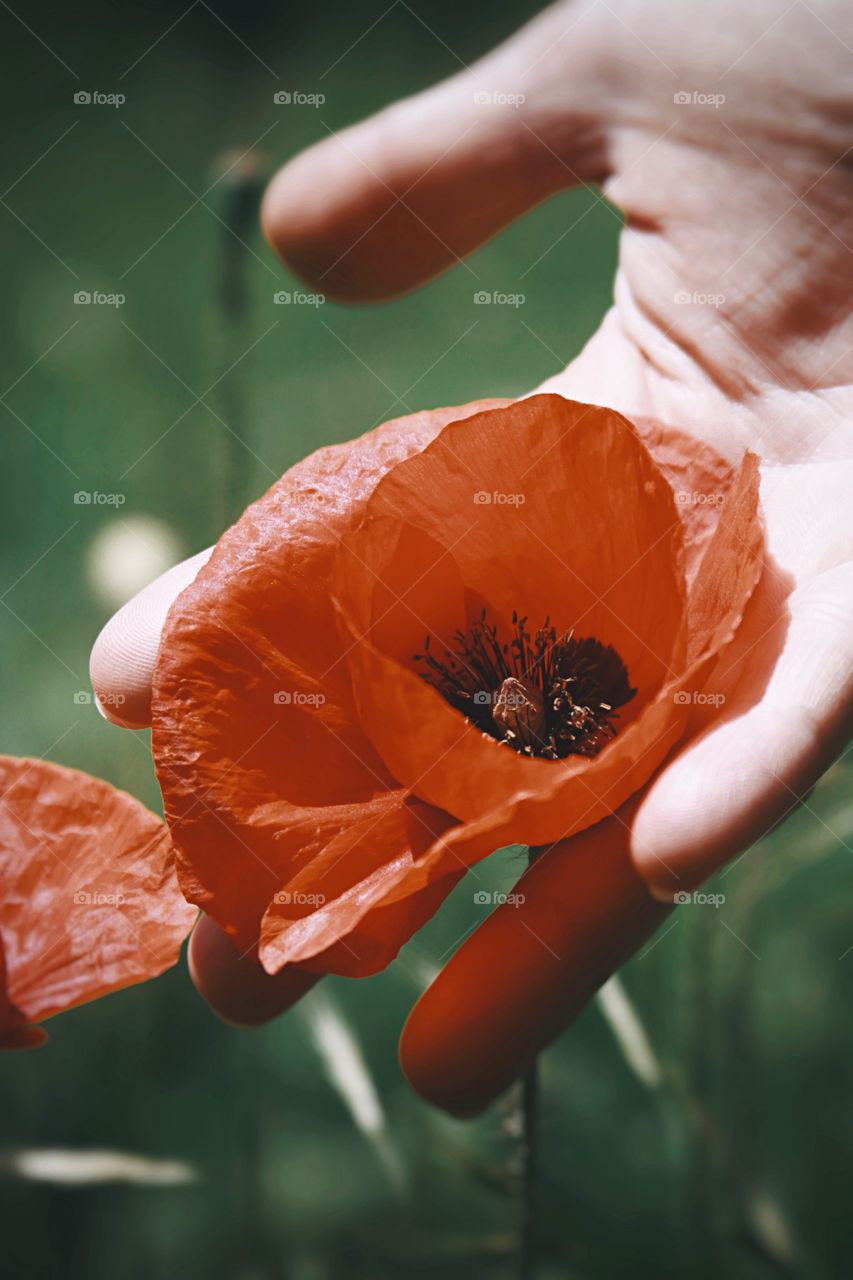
(519, 710)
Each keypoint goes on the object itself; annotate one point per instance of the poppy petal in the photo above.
(725, 578)
(700, 479)
(294, 751)
(336, 923)
(583, 907)
(730, 568)
(90, 902)
(257, 744)
(596, 544)
(727, 575)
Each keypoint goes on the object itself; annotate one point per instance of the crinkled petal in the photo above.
(90, 901)
(729, 571)
(595, 545)
(323, 905)
(270, 797)
(258, 748)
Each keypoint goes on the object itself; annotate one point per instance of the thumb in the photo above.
(121, 666)
(383, 206)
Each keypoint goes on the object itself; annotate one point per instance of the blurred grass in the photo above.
(737, 1164)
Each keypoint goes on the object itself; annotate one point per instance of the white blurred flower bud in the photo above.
(128, 553)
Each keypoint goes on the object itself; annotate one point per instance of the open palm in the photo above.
(727, 150)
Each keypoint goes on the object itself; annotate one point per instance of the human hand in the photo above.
(731, 320)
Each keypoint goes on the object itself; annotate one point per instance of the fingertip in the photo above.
(528, 971)
(372, 212)
(337, 216)
(120, 669)
(722, 794)
(237, 988)
(305, 214)
(29, 1036)
(121, 666)
(426, 1058)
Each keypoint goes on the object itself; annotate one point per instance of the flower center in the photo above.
(541, 694)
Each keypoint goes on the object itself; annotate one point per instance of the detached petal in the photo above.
(89, 902)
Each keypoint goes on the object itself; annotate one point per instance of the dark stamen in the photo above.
(540, 694)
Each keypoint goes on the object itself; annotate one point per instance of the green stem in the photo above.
(240, 194)
(528, 1123)
(529, 1142)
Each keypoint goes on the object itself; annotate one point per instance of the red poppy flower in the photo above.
(472, 627)
(89, 900)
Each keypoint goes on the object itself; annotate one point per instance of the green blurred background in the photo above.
(698, 1119)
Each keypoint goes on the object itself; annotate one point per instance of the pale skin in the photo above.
(750, 201)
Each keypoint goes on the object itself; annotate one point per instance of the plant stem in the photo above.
(529, 1150)
(240, 194)
(528, 1137)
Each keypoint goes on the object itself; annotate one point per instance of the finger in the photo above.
(122, 662)
(527, 971)
(789, 715)
(237, 989)
(381, 207)
(26, 1037)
